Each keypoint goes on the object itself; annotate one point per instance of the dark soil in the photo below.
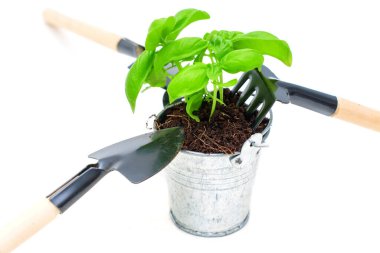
(226, 132)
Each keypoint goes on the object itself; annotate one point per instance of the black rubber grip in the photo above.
(76, 187)
(310, 99)
(128, 47)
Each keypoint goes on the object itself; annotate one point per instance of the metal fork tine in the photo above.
(240, 83)
(252, 78)
(255, 103)
(261, 115)
(263, 96)
(248, 92)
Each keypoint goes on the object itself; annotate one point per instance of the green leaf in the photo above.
(221, 42)
(229, 83)
(266, 44)
(241, 60)
(193, 103)
(137, 76)
(220, 46)
(143, 89)
(158, 31)
(228, 35)
(178, 50)
(188, 81)
(199, 57)
(261, 35)
(157, 78)
(184, 18)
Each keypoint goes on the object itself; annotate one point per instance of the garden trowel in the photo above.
(138, 159)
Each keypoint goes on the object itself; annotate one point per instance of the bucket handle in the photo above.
(250, 150)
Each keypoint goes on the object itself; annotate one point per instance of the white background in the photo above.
(62, 97)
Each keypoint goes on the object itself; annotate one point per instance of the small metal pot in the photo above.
(210, 193)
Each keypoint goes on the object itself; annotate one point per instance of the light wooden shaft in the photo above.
(58, 20)
(27, 224)
(357, 114)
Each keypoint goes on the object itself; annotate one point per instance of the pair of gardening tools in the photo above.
(143, 156)
(263, 85)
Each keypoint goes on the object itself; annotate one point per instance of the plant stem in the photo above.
(214, 98)
(207, 92)
(212, 59)
(221, 88)
(179, 66)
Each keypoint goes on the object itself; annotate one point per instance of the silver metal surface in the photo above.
(210, 193)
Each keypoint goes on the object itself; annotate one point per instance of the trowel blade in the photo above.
(142, 156)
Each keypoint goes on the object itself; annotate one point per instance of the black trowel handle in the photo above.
(107, 39)
(42, 213)
(76, 187)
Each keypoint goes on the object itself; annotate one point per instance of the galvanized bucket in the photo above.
(210, 194)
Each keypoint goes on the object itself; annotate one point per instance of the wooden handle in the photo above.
(100, 36)
(357, 114)
(27, 225)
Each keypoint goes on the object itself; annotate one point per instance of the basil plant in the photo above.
(199, 61)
